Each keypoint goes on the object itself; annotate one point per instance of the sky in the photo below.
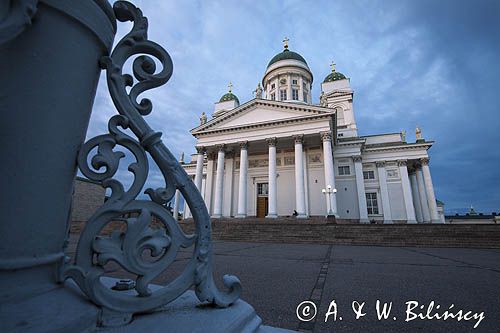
(432, 64)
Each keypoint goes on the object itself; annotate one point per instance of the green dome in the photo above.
(286, 55)
(229, 97)
(334, 76)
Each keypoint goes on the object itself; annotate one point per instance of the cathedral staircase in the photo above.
(318, 230)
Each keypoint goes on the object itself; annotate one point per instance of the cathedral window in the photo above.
(273, 86)
(295, 94)
(305, 96)
(273, 96)
(370, 174)
(344, 170)
(392, 173)
(294, 81)
(283, 95)
(262, 188)
(371, 203)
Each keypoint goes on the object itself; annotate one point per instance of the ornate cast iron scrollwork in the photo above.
(126, 248)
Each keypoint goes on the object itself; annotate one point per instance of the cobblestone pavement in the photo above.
(278, 277)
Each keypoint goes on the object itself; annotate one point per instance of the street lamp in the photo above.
(329, 191)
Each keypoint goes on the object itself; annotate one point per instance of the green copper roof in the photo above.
(334, 76)
(229, 97)
(285, 55)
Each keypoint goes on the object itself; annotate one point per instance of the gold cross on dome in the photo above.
(333, 66)
(285, 42)
(230, 86)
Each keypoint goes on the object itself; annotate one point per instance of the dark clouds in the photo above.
(427, 63)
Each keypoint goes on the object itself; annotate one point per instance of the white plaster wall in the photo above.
(234, 198)
(286, 191)
(316, 182)
(396, 200)
(347, 198)
(383, 138)
(227, 105)
(336, 85)
(228, 187)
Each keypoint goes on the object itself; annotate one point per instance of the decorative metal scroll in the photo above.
(126, 248)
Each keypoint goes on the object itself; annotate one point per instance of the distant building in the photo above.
(280, 154)
(88, 196)
(473, 217)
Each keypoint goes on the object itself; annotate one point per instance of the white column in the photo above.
(326, 137)
(416, 197)
(200, 159)
(187, 213)
(219, 182)
(384, 193)
(272, 210)
(301, 89)
(227, 196)
(429, 189)
(242, 186)
(405, 183)
(360, 186)
(209, 181)
(187, 210)
(306, 181)
(203, 187)
(289, 87)
(177, 197)
(426, 214)
(278, 95)
(300, 202)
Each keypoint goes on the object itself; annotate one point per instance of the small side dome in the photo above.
(334, 76)
(229, 97)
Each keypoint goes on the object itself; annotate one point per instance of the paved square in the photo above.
(277, 277)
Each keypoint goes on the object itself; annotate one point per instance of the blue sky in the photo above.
(429, 63)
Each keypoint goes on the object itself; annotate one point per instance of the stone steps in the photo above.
(322, 231)
(316, 232)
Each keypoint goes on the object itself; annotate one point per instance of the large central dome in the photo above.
(288, 77)
(286, 55)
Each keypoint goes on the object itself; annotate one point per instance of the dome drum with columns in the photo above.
(280, 154)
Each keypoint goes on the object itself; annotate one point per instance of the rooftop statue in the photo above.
(203, 118)
(418, 133)
(258, 91)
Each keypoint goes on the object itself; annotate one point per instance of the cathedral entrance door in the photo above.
(262, 200)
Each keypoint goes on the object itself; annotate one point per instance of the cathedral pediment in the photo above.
(258, 112)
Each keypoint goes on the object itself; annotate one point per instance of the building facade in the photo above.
(281, 155)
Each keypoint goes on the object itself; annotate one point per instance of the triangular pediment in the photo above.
(258, 112)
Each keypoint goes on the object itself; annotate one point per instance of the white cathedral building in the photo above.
(280, 154)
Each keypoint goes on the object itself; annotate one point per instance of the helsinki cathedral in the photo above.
(281, 154)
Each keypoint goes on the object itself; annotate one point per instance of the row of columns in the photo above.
(424, 200)
(272, 177)
(420, 206)
(418, 191)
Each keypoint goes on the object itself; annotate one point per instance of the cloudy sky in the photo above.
(429, 63)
